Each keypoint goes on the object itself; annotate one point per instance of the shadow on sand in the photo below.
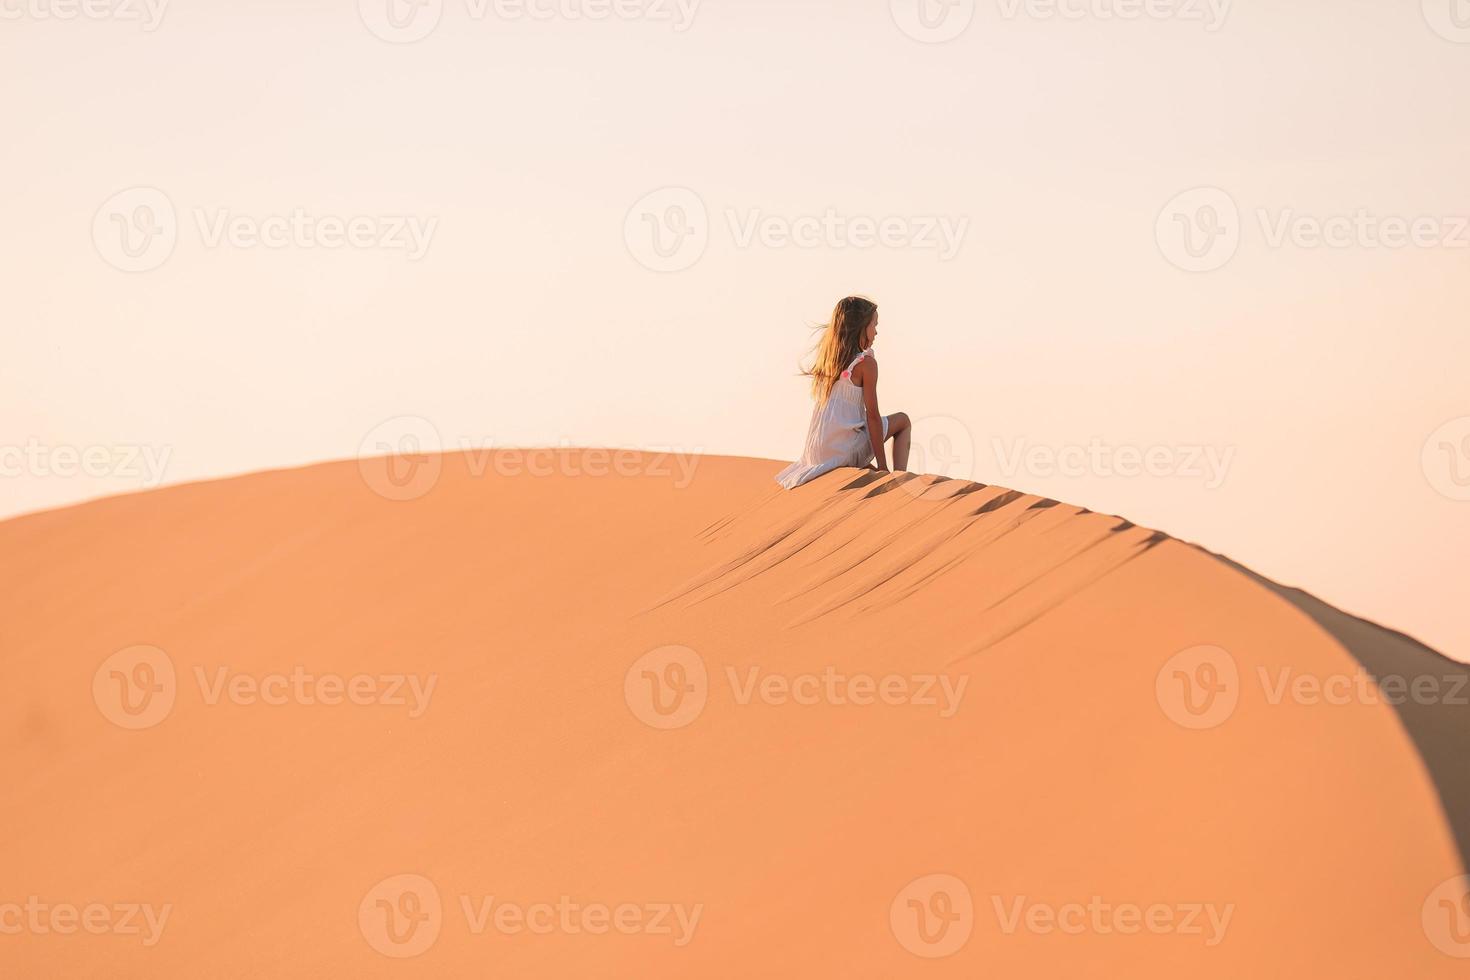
(1438, 726)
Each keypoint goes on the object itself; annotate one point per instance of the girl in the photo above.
(846, 429)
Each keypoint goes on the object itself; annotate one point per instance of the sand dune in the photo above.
(617, 725)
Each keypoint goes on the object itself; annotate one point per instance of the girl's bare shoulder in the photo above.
(865, 372)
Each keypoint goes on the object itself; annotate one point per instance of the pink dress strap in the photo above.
(847, 375)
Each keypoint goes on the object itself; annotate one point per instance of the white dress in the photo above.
(838, 435)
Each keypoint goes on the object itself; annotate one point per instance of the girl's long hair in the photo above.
(840, 344)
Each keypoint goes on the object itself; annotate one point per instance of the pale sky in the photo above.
(1010, 196)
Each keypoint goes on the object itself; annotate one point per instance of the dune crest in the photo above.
(634, 725)
(864, 554)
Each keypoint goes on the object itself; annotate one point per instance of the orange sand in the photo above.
(1035, 774)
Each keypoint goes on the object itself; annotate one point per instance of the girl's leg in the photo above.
(901, 431)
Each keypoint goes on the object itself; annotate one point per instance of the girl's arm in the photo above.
(867, 373)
